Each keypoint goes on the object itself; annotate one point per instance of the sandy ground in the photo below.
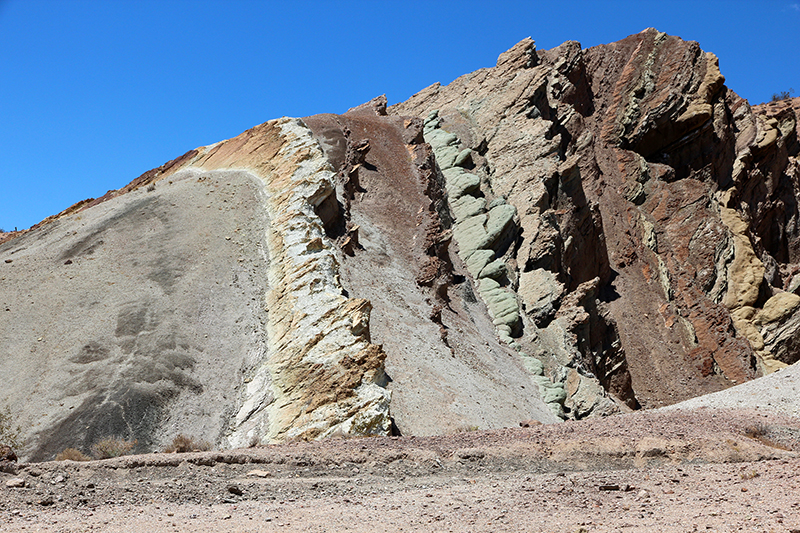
(702, 470)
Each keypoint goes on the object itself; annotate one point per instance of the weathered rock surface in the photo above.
(8, 460)
(571, 233)
(447, 371)
(229, 295)
(135, 317)
(634, 169)
(208, 304)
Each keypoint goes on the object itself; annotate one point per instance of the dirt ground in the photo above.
(703, 470)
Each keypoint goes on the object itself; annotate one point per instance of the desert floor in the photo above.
(696, 470)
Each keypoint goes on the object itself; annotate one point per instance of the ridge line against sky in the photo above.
(95, 93)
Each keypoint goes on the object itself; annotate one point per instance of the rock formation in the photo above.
(657, 214)
(570, 233)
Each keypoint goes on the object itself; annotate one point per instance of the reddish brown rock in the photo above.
(617, 158)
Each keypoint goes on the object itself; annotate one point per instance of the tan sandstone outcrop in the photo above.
(321, 374)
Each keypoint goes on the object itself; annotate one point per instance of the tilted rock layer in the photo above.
(657, 238)
(570, 233)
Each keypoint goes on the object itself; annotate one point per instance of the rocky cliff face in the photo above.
(656, 240)
(570, 233)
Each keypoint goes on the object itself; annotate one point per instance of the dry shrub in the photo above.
(752, 474)
(761, 433)
(184, 444)
(9, 431)
(757, 430)
(72, 454)
(782, 95)
(112, 447)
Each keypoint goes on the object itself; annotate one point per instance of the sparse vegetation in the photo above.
(184, 444)
(9, 431)
(783, 95)
(72, 454)
(112, 447)
(756, 430)
(749, 474)
(761, 432)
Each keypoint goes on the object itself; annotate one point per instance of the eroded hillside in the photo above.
(570, 233)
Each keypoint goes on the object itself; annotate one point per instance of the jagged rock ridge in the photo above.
(570, 233)
(656, 212)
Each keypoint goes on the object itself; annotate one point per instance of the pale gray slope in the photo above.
(778, 392)
(480, 385)
(137, 318)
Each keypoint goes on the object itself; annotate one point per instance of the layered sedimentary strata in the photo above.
(446, 367)
(301, 362)
(570, 233)
(231, 321)
(655, 212)
(320, 374)
(323, 374)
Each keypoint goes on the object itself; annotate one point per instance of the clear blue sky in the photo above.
(95, 92)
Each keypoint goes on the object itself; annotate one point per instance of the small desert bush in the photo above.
(757, 430)
(749, 474)
(184, 444)
(782, 95)
(9, 431)
(72, 454)
(761, 433)
(112, 447)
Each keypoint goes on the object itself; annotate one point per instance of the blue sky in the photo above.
(93, 93)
